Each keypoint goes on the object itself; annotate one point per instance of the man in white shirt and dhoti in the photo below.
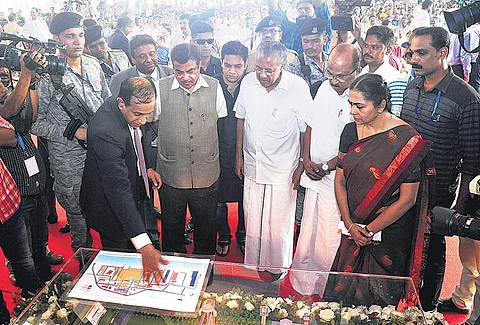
(319, 237)
(271, 109)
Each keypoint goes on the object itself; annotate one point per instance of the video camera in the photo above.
(451, 223)
(459, 20)
(344, 21)
(10, 55)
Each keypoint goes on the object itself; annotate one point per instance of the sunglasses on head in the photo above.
(201, 41)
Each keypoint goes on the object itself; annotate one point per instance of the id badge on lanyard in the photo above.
(30, 163)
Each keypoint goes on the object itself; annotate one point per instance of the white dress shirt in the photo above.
(273, 122)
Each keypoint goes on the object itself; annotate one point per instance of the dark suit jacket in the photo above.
(131, 72)
(119, 41)
(112, 192)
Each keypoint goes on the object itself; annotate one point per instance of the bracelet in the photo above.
(350, 228)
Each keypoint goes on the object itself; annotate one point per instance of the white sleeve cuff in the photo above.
(140, 241)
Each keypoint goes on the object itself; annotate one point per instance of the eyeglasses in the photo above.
(270, 31)
(201, 41)
(268, 72)
(339, 77)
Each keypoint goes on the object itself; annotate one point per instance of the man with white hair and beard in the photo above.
(270, 109)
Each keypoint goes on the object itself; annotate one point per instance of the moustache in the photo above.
(416, 66)
(367, 56)
(301, 19)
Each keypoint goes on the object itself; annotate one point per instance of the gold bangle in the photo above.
(350, 228)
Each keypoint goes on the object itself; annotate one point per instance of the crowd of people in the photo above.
(336, 145)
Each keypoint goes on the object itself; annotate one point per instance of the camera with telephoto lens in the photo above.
(449, 222)
(459, 20)
(11, 55)
(343, 21)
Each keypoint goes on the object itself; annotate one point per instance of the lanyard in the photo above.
(435, 105)
(20, 141)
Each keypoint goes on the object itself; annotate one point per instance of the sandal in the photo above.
(241, 246)
(223, 247)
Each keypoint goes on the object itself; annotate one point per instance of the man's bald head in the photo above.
(343, 66)
(346, 55)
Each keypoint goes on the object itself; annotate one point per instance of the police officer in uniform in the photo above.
(269, 29)
(111, 61)
(67, 157)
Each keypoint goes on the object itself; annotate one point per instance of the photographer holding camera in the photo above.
(28, 262)
(67, 155)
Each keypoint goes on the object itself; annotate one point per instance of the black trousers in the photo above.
(202, 203)
(117, 240)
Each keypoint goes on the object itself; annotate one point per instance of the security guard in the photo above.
(269, 29)
(111, 61)
(67, 157)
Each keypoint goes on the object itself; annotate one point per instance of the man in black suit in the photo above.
(115, 195)
(118, 40)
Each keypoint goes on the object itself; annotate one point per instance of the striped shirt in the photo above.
(453, 125)
(291, 37)
(396, 82)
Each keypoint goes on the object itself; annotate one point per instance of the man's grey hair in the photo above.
(272, 49)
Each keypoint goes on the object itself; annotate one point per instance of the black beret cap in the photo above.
(64, 21)
(313, 26)
(269, 21)
(207, 14)
(89, 22)
(93, 33)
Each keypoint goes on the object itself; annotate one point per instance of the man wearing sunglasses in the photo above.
(377, 46)
(202, 35)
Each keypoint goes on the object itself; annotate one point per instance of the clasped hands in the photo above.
(360, 236)
(313, 170)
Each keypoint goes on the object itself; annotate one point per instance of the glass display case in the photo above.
(238, 294)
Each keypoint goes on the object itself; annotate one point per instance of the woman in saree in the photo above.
(377, 184)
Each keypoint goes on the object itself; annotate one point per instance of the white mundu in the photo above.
(319, 237)
(271, 148)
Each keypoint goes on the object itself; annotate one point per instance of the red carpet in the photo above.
(60, 243)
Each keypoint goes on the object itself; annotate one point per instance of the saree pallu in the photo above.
(374, 168)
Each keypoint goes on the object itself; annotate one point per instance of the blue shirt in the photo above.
(291, 37)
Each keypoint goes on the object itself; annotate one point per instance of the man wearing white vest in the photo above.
(188, 159)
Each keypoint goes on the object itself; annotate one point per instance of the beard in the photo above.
(301, 20)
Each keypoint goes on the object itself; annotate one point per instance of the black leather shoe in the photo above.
(186, 239)
(190, 227)
(65, 228)
(54, 258)
(448, 306)
(158, 213)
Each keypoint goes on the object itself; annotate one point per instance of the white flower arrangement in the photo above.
(237, 307)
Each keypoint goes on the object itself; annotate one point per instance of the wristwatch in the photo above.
(325, 169)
